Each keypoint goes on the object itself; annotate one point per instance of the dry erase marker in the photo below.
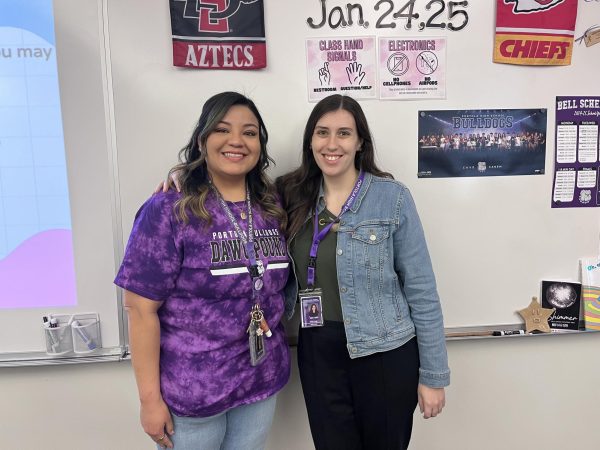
(53, 323)
(83, 335)
(51, 336)
(484, 333)
(507, 332)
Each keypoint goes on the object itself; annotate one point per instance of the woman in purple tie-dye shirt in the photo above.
(196, 264)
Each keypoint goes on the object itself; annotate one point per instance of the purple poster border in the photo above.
(576, 164)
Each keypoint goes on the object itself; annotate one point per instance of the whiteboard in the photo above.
(492, 239)
(127, 111)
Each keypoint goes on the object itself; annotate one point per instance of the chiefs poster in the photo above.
(218, 34)
(535, 32)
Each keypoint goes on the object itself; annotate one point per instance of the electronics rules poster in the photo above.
(412, 69)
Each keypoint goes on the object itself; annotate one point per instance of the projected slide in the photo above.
(36, 254)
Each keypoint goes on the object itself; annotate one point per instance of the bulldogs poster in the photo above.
(218, 34)
(535, 32)
(474, 143)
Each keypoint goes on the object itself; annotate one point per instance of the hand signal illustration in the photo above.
(324, 75)
(355, 73)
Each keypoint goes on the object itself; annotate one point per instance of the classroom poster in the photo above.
(535, 32)
(36, 249)
(218, 34)
(576, 163)
(344, 66)
(475, 143)
(565, 298)
(412, 68)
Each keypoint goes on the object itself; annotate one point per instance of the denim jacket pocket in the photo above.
(370, 243)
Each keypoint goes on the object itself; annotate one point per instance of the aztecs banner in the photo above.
(218, 34)
(535, 32)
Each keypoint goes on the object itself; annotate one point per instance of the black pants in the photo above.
(365, 403)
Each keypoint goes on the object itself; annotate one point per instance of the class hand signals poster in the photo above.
(337, 65)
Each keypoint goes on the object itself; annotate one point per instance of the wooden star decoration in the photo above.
(536, 317)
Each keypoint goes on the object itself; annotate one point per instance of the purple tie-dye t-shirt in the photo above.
(201, 275)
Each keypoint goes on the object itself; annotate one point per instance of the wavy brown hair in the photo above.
(193, 173)
(299, 189)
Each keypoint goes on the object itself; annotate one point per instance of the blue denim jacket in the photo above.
(386, 282)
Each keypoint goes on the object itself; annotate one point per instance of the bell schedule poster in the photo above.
(576, 164)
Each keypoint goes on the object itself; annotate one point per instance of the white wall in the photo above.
(535, 392)
(517, 392)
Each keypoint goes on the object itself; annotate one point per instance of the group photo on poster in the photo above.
(471, 143)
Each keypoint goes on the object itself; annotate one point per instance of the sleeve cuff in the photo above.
(141, 292)
(434, 379)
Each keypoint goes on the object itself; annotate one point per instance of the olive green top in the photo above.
(326, 273)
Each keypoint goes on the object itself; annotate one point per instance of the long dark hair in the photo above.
(299, 189)
(193, 172)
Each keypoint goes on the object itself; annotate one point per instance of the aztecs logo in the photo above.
(213, 15)
(532, 6)
(218, 34)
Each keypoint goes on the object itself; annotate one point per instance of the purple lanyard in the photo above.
(318, 236)
(248, 242)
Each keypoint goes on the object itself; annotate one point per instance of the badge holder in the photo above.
(311, 308)
(256, 339)
(257, 345)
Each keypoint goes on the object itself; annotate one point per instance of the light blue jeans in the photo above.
(244, 427)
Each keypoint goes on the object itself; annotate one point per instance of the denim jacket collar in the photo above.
(361, 194)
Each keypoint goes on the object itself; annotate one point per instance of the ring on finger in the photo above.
(162, 437)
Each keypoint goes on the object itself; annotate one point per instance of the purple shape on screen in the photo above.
(39, 273)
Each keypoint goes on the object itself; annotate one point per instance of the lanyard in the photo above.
(318, 236)
(256, 268)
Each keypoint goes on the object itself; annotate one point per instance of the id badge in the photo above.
(256, 342)
(311, 308)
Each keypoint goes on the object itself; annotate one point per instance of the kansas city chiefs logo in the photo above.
(532, 6)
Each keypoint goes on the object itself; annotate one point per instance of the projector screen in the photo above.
(58, 191)
(35, 218)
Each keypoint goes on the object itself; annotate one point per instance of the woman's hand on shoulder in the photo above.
(172, 181)
(431, 400)
(157, 422)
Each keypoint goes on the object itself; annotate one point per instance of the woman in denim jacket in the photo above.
(381, 348)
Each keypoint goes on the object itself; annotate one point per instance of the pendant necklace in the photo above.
(329, 219)
(243, 214)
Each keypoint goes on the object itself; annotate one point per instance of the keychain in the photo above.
(257, 329)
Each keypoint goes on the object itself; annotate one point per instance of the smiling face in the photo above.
(335, 142)
(233, 147)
